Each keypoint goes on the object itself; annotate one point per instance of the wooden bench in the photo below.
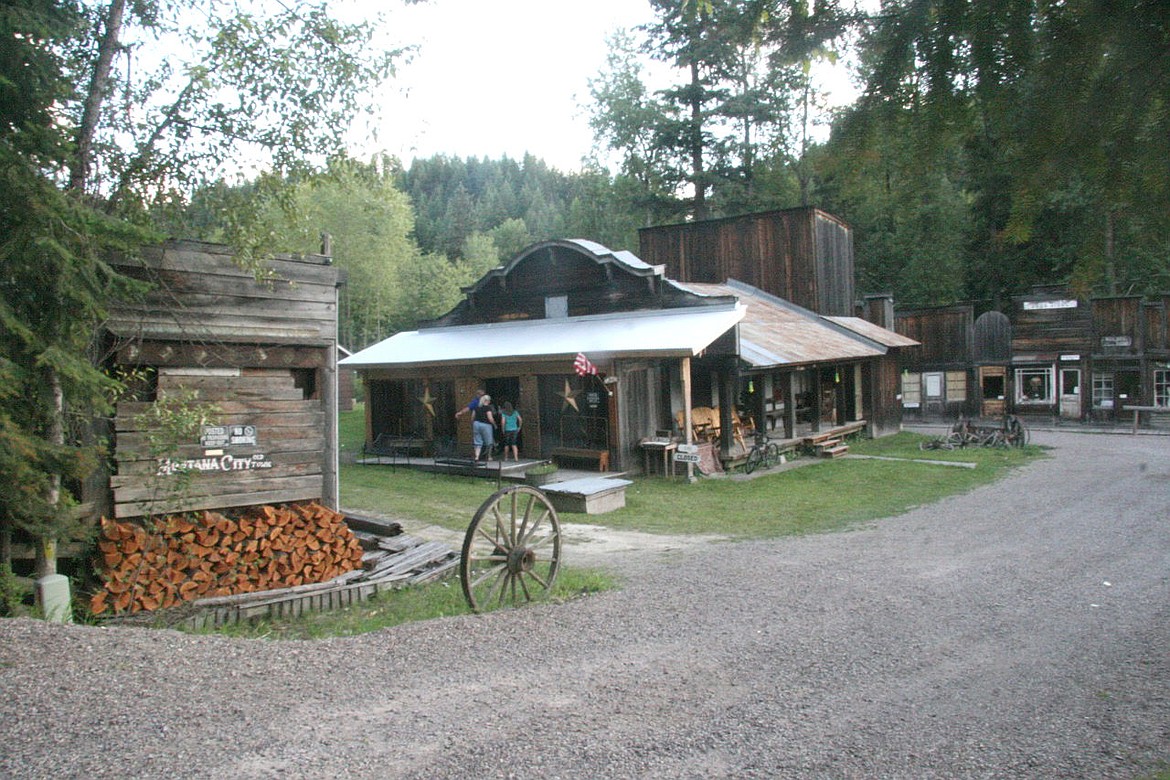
(396, 448)
(581, 453)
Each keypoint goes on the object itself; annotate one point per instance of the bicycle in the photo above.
(763, 453)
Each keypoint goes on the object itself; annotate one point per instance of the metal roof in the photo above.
(659, 333)
(776, 332)
(874, 332)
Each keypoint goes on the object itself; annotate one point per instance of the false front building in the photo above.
(655, 350)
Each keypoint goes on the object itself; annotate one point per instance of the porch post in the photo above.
(816, 398)
(684, 370)
(728, 395)
(789, 406)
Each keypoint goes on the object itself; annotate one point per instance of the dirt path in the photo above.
(1017, 631)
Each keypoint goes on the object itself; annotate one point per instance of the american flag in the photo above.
(582, 365)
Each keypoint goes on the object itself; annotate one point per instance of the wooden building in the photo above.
(661, 348)
(936, 372)
(259, 355)
(802, 255)
(1051, 354)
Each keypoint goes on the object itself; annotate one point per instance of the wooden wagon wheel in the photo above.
(1016, 432)
(512, 549)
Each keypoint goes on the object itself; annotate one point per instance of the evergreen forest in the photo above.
(996, 145)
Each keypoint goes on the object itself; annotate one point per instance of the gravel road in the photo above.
(1019, 631)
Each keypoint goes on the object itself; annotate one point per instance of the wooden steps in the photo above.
(831, 444)
(831, 448)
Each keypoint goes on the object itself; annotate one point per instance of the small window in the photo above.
(956, 386)
(911, 390)
(1162, 387)
(993, 387)
(1034, 386)
(1102, 391)
(556, 307)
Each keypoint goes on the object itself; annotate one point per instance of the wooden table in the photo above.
(1137, 412)
(666, 448)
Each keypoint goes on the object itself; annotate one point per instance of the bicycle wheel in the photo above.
(753, 460)
(772, 454)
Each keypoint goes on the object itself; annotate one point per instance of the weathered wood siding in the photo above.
(802, 255)
(944, 336)
(1157, 321)
(1045, 327)
(992, 340)
(561, 270)
(202, 297)
(1118, 326)
(260, 354)
(882, 385)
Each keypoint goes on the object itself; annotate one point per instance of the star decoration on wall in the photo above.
(428, 401)
(569, 397)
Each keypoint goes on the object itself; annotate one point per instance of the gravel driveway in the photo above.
(1021, 630)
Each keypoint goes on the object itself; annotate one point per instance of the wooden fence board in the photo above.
(301, 489)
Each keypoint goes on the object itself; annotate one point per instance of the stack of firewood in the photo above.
(181, 558)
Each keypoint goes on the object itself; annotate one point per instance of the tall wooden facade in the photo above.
(803, 255)
(1050, 354)
(259, 356)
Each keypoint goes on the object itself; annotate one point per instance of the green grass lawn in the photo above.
(816, 497)
(820, 496)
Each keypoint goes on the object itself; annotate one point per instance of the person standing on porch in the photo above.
(483, 424)
(511, 422)
(471, 405)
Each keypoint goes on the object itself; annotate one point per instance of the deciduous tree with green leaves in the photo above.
(113, 111)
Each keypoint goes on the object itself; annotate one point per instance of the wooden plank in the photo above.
(224, 329)
(138, 443)
(289, 448)
(135, 489)
(143, 479)
(178, 284)
(128, 410)
(218, 260)
(210, 391)
(298, 490)
(191, 306)
(170, 353)
(262, 421)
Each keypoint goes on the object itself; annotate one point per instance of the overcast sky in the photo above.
(495, 78)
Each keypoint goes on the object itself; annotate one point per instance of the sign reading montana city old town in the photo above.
(214, 439)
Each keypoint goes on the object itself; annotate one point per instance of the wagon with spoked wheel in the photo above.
(1010, 432)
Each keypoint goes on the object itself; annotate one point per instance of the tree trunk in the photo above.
(698, 174)
(95, 96)
(1110, 266)
(46, 552)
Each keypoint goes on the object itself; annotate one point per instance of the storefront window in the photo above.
(1102, 391)
(1034, 385)
(1162, 387)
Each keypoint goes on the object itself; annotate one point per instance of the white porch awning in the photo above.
(658, 333)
